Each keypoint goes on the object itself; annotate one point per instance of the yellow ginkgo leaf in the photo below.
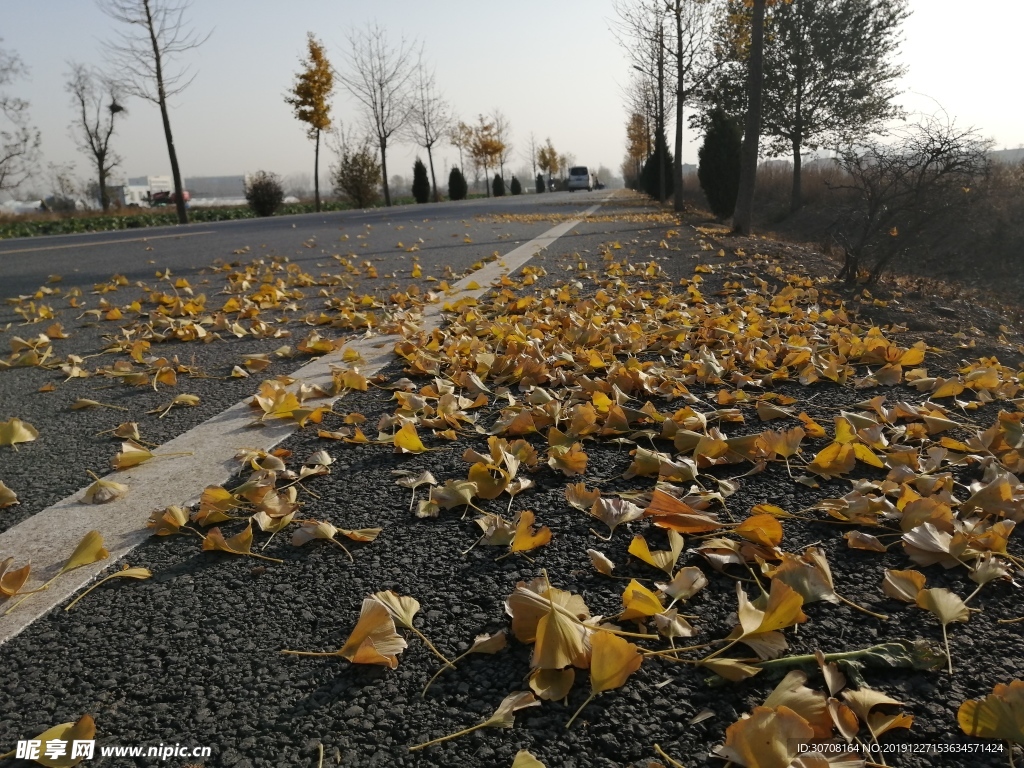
(612, 661)
(811, 705)
(491, 480)
(524, 759)
(765, 530)
(8, 498)
(1000, 715)
(947, 608)
(13, 579)
(407, 440)
(614, 512)
(562, 641)
(552, 684)
(863, 702)
(580, 497)
(14, 431)
(903, 585)
(834, 460)
(759, 629)
(526, 538)
(374, 639)
(685, 584)
(131, 455)
(89, 550)
(664, 560)
(639, 602)
(403, 609)
(239, 544)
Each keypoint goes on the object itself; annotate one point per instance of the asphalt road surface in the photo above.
(85, 259)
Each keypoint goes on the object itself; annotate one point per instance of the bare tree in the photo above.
(691, 20)
(378, 78)
(531, 150)
(641, 32)
(743, 216)
(19, 141)
(503, 133)
(157, 34)
(95, 99)
(906, 192)
(431, 117)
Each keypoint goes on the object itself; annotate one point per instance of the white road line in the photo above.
(107, 242)
(48, 537)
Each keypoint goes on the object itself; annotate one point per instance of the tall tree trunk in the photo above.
(104, 197)
(179, 196)
(660, 138)
(384, 172)
(179, 189)
(677, 167)
(316, 172)
(796, 202)
(742, 218)
(433, 179)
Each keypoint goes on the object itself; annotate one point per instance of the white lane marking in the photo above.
(106, 242)
(48, 537)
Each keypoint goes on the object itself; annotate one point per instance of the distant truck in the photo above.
(151, 191)
(159, 199)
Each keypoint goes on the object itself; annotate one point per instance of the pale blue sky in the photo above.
(552, 66)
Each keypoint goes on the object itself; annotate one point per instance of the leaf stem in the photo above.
(449, 665)
(673, 763)
(339, 544)
(970, 596)
(723, 649)
(430, 645)
(862, 609)
(310, 653)
(264, 557)
(463, 732)
(949, 658)
(576, 714)
(90, 589)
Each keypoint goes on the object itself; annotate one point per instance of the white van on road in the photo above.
(579, 178)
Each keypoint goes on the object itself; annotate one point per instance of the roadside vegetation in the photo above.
(915, 194)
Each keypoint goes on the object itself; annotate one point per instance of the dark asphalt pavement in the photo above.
(89, 258)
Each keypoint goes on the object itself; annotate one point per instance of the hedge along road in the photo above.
(47, 473)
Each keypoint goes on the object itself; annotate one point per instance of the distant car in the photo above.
(579, 178)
